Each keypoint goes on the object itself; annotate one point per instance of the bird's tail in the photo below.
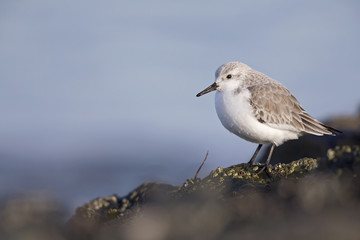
(313, 126)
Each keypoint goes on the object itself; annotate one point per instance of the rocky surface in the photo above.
(307, 198)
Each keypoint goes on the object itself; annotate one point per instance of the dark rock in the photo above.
(306, 199)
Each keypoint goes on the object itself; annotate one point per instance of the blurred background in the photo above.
(97, 97)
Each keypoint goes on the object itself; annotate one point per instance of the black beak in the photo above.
(211, 88)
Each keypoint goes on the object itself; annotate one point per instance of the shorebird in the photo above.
(259, 109)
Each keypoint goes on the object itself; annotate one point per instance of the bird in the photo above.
(259, 109)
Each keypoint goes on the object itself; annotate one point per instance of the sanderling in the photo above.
(259, 109)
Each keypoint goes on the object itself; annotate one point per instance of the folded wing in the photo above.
(280, 109)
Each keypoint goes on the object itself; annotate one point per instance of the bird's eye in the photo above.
(229, 76)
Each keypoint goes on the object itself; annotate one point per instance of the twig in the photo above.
(201, 165)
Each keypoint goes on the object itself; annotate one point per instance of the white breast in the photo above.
(236, 115)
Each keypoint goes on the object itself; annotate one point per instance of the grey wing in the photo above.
(275, 106)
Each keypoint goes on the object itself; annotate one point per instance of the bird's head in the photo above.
(227, 77)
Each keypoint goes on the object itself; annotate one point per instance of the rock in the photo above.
(32, 215)
(236, 201)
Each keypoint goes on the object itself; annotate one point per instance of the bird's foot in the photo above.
(266, 169)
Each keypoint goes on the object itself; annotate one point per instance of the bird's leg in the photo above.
(251, 162)
(266, 167)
